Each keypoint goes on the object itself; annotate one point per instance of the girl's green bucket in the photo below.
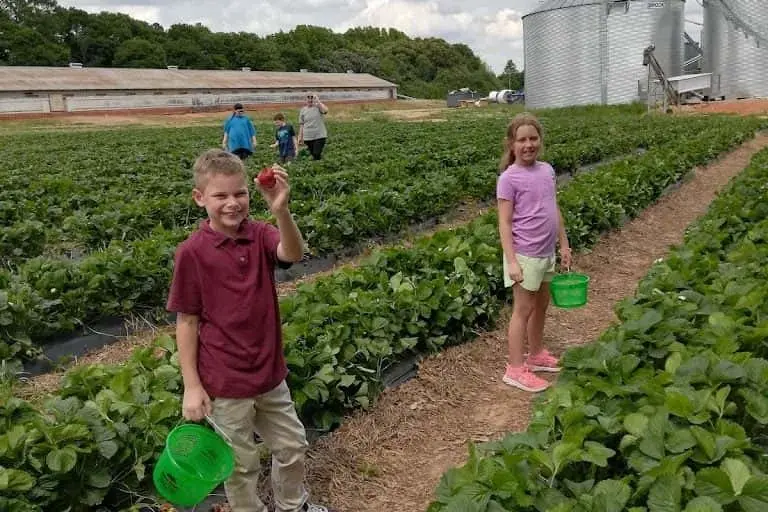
(195, 461)
(569, 290)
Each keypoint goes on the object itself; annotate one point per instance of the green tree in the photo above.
(40, 32)
(511, 78)
(139, 53)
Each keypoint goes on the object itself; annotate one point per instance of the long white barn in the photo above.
(41, 90)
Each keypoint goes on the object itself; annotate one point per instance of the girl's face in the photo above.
(526, 145)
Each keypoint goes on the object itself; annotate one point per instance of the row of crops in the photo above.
(667, 411)
(93, 442)
(120, 200)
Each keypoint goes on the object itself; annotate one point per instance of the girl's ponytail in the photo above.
(508, 157)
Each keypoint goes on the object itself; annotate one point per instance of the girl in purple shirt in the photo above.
(530, 225)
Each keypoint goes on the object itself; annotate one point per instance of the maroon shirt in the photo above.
(229, 284)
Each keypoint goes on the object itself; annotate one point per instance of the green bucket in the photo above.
(194, 462)
(569, 290)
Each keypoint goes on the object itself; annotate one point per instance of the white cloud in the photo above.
(492, 28)
(507, 25)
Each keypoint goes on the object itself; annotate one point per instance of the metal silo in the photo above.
(580, 52)
(735, 44)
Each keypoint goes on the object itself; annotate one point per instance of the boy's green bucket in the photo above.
(569, 290)
(195, 461)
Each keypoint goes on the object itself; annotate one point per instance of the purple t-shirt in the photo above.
(535, 222)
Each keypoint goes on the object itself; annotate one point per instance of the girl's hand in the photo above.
(277, 196)
(565, 257)
(515, 271)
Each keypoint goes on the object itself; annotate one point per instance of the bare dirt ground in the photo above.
(410, 109)
(392, 457)
(740, 107)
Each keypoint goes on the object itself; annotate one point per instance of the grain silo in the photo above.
(735, 45)
(580, 52)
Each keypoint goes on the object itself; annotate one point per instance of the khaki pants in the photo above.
(273, 416)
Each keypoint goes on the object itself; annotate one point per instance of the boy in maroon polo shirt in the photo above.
(228, 330)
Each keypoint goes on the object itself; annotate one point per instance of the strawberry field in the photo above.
(678, 389)
(90, 219)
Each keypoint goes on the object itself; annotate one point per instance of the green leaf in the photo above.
(706, 441)
(15, 480)
(611, 496)
(679, 404)
(679, 440)
(62, 460)
(737, 472)
(99, 479)
(108, 449)
(673, 362)
(757, 405)
(596, 453)
(703, 504)
(715, 483)
(754, 495)
(665, 495)
(636, 424)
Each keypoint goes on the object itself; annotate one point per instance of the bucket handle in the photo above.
(218, 429)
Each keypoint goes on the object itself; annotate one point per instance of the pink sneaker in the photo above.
(524, 379)
(543, 362)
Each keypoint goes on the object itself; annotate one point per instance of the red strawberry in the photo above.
(267, 178)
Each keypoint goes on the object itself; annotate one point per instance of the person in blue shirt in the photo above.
(239, 134)
(285, 139)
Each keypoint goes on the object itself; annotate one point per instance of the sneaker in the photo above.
(523, 378)
(543, 362)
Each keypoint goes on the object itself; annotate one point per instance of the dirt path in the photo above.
(746, 107)
(393, 457)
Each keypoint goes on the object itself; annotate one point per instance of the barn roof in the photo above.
(40, 78)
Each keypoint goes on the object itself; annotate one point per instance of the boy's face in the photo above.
(279, 123)
(226, 200)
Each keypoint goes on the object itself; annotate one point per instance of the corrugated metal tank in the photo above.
(735, 44)
(580, 52)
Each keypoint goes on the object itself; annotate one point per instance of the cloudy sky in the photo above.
(492, 28)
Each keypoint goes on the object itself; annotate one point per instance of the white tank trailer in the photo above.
(735, 47)
(504, 96)
(581, 52)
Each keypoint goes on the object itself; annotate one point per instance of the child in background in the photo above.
(228, 330)
(285, 139)
(530, 226)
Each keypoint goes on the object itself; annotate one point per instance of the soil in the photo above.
(392, 457)
(423, 109)
(744, 107)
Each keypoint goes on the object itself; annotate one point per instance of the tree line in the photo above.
(42, 33)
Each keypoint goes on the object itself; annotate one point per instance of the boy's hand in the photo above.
(566, 257)
(277, 196)
(196, 404)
